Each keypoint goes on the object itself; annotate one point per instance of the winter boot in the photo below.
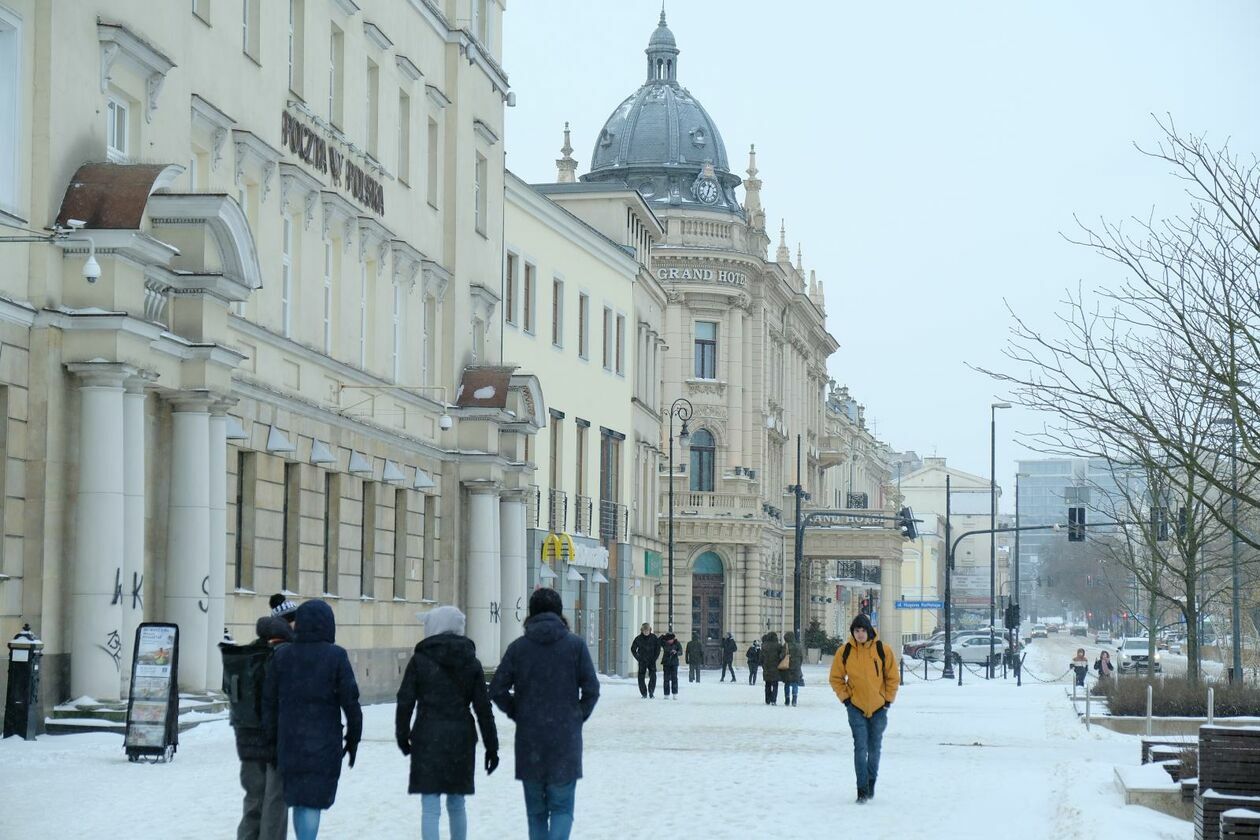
(863, 796)
(870, 789)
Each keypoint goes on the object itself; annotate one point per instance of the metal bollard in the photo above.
(1086, 711)
(1150, 705)
(960, 669)
(925, 668)
(1211, 707)
(902, 670)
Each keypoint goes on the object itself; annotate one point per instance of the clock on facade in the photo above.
(705, 189)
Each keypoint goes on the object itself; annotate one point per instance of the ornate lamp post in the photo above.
(993, 527)
(681, 408)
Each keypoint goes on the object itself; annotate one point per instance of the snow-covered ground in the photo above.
(984, 760)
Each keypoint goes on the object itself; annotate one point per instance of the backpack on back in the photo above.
(879, 648)
(244, 670)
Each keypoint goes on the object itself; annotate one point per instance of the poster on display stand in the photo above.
(153, 704)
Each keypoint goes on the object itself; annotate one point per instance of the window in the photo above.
(404, 138)
(429, 374)
(481, 21)
(706, 350)
(480, 193)
(336, 75)
(527, 298)
(328, 298)
(296, 26)
(373, 107)
(400, 544)
(434, 164)
(332, 531)
(579, 456)
(286, 278)
(290, 537)
(246, 486)
(10, 106)
(557, 451)
(557, 312)
(621, 345)
(509, 290)
(367, 542)
(363, 319)
(608, 338)
(398, 332)
(117, 129)
(249, 28)
(702, 451)
(584, 326)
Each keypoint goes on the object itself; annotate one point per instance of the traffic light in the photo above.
(1076, 524)
(1012, 617)
(1090, 616)
(905, 523)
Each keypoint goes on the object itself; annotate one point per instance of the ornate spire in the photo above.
(799, 266)
(783, 255)
(752, 193)
(662, 53)
(566, 167)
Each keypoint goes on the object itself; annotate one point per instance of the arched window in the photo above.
(708, 563)
(702, 450)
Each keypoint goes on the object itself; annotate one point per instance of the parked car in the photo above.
(972, 649)
(1039, 631)
(1133, 655)
(1102, 637)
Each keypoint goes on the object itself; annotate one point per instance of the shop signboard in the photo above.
(153, 703)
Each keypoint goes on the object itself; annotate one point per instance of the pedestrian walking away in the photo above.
(546, 684)
(308, 689)
(443, 679)
(264, 816)
(1104, 666)
(282, 607)
(671, 652)
(1080, 665)
(864, 676)
(645, 649)
(695, 657)
(754, 661)
(771, 653)
(728, 657)
(791, 676)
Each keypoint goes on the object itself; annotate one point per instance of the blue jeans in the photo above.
(868, 737)
(790, 691)
(549, 810)
(431, 816)
(305, 822)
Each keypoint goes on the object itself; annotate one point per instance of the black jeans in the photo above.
(752, 673)
(671, 679)
(772, 692)
(648, 672)
(693, 672)
(727, 665)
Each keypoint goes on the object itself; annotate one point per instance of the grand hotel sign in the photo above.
(320, 155)
(703, 275)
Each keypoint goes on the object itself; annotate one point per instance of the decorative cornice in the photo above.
(251, 149)
(117, 41)
(216, 124)
(407, 68)
(337, 210)
(436, 96)
(436, 279)
(485, 132)
(407, 261)
(299, 190)
(376, 36)
(347, 7)
(373, 234)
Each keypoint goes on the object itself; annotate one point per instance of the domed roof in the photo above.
(661, 133)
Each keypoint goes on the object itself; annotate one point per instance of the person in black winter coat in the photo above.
(309, 687)
(754, 660)
(645, 649)
(264, 815)
(443, 678)
(695, 657)
(728, 657)
(546, 683)
(671, 652)
(771, 653)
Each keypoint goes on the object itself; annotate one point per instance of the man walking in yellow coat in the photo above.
(864, 676)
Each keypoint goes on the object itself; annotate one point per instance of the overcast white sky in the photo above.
(926, 155)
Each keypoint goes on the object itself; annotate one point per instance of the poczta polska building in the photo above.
(283, 374)
(747, 347)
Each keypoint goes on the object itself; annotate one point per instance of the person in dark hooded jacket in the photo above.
(771, 653)
(671, 652)
(264, 815)
(645, 649)
(728, 657)
(308, 688)
(695, 657)
(546, 683)
(754, 661)
(791, 676)
(443, 678)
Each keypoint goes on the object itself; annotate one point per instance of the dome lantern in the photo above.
(662, 54)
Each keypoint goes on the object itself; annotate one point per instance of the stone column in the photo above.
(515, 599)
(96, 640)
(217, 465)
(482, 570)
(735, 390)
(188, 535)
(133, 519)
(889, 593)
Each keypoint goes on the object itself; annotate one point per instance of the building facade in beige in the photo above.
(573, 267)
(252, 342)
(745, 368)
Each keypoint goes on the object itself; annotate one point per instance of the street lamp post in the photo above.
(1235, 619)
(681, 408)
(947, 672)
(993, 407)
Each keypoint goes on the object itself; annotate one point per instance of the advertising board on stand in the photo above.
(153, 707)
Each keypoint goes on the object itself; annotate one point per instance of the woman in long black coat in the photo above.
(443, 678)
(309, 685)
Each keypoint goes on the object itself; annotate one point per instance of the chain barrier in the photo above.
(1027, 672)
(914, 672)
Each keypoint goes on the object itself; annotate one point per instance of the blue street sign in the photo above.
(920, 605)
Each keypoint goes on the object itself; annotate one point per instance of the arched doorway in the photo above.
(707, 590)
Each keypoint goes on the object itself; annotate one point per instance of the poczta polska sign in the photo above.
(312, 149)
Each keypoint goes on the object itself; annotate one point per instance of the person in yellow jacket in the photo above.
(864, 676)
